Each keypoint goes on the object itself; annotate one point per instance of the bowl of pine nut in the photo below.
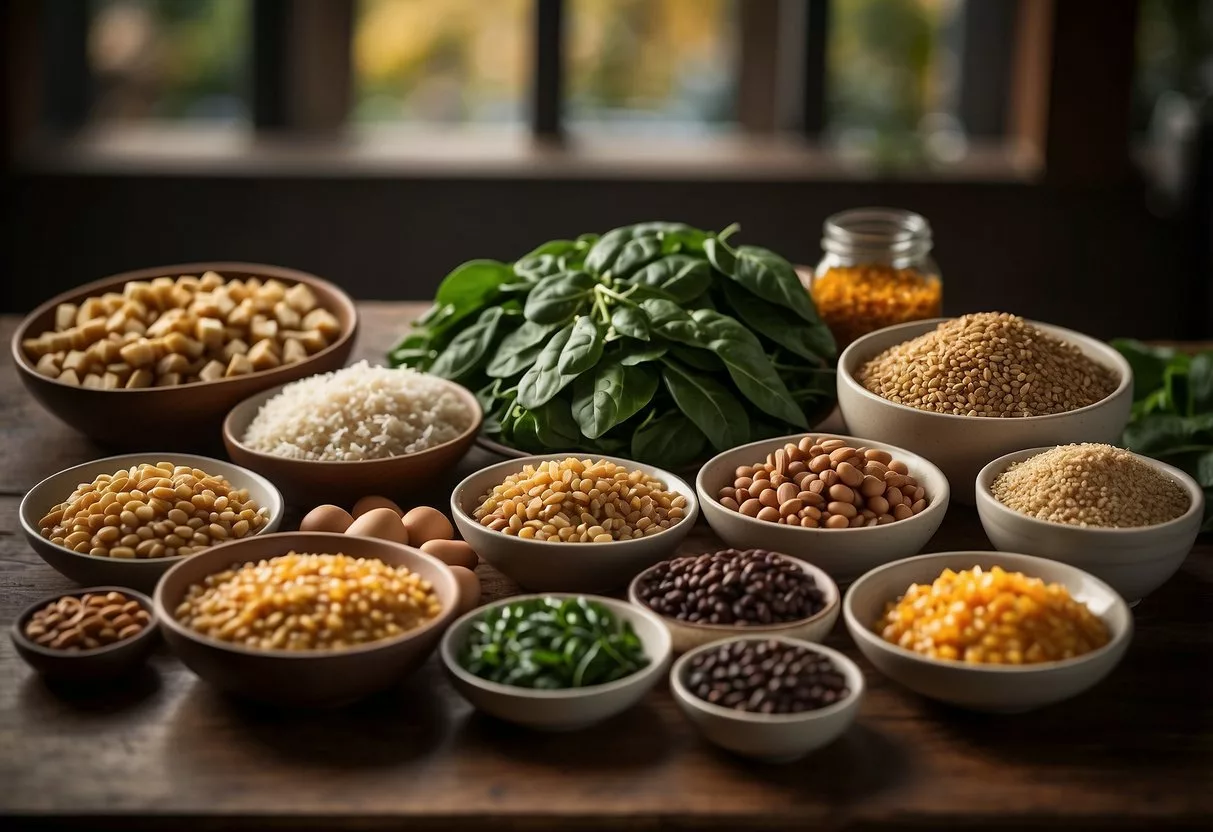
(126, 520)
(168, 351)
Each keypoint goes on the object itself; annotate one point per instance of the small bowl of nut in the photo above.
(168, 351)
(843, 503)
(566, 524)
(703, 598)
(126, 520)
(87, 635)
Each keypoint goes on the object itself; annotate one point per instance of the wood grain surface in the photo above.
(163, 750)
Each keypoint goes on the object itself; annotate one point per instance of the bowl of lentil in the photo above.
(708, 597)
(916, 491)
(770, 697)
(87, 635)
(1127, 519)
(167, 351)
(988, 631)
(120, 525)
(925, 386)
(531, 518)
(306, 618)
(555, 705)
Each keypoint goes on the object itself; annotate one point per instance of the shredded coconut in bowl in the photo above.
(360, 412)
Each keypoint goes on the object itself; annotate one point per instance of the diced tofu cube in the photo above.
(301, 298)
(176, 342)
(236, 289)
(116, 322)
(323, 322)
(287, 317)
(239, 365)
(213, 370)
(112, 302)
(96, 354)
(111, 381)
(92, 380)
(141, 291)
(236, 346)
(70, 377)
(61, 341)
(119, 368)
(36, 347)
(174, 362)
(210, 281)
(178, 298)
(273, 290)
(91, 308)
(253, 284)
(139, 353)
(313, 341)
(263, 328)
(292, 351)
(48, 365)
(109, 351)
(243, 314)
(91, 331)
(168, 379)
(204, 305)
(140, 378)
(134, 325)
(188, 282)
(223, 302)
(210, 332)
(65, 316)
(263, 355)
(75, 360)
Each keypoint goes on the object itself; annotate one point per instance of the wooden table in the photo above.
(167, 751)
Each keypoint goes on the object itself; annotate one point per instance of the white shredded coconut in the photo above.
(360, 412)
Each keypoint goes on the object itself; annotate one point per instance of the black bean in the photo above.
(766, 676)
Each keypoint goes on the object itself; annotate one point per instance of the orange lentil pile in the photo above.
(992, 617)
(856, 300)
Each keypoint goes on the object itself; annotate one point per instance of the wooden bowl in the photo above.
(304, 678)
(307, 482)
(102, 664)
(187, 416)
(141, 573)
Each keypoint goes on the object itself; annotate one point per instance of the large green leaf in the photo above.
(467, 350)
(518, 350)
(610, 395)
(814, 342)
(543, 380)
(583, 349)
(643, 354)
(670, 441)
(558, 298)
(632, 322)
(624, 251)
(708, 404)
(468, 288)
(764, 273)
(683, 277)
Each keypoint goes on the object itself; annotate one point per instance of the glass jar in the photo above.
(876, 271)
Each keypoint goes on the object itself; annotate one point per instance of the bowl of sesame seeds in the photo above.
(1127, 519)
(962, 391)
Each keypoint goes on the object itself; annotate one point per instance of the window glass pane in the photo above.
(1174, 62)
(170, 59)
(660, 64)
(444, 61)
(893, 77)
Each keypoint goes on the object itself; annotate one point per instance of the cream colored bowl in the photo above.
(688, 635)
(541, 566)
(773, 738)
(962, 445)
(1134, 561)
(995, 688)
(561, 710)
(843, 553)
(141, 573)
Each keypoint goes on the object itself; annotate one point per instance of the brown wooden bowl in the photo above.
(304, 678)
(185, 417)
(308, 483)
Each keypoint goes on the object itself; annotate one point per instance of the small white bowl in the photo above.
(994, 688)
(561, 710)
(961, 445)
(1133, 561)
(688, 635)
(541, 566)
(843, 553)
(142, 573)
(770, 737)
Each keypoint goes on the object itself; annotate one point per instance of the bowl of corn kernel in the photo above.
(126, 520)
(168, 351)
(307, 618)
(988, 631)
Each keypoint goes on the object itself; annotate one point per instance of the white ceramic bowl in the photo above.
(995, 688)
(689, 635)
(1134, 561)
(770, 737)
(140, 574)
(843, 553)
(962, 445)
(541, 566)
(561, 710)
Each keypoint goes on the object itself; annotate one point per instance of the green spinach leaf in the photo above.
(682, 277)
(519, 349)
(670, 440)
(467, 350)
(543, 380)
(632, 322)
(708, 404)
(612, 394)
(558, 298)
(583, 349)
(766, 274)
(814, 342)
(642, 355)
(468, 288)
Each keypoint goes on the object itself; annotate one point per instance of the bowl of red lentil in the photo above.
(962, 391)
(306, 618)
(988, 631)
(1127, 519)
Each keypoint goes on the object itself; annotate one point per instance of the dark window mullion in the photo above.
(270, 43)
(986, 32)
(68, 76)
(813, 83)
(547, 81)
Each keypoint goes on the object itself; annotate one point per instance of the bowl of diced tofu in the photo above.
(160, 355)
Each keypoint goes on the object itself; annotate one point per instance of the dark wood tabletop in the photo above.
(164, 750)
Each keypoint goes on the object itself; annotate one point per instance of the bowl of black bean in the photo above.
(772, 698)
(704, 598)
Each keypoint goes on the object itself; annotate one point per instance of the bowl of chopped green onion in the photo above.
(556, 662)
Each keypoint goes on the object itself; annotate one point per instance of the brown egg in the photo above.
(326, 519)
(452, 552)
(469, 588)
(374, 501)
(382, 523)
(425, 524)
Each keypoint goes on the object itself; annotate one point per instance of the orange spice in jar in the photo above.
(876, 271)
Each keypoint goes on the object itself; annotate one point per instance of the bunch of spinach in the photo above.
(1173, 411)
(654, 341)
